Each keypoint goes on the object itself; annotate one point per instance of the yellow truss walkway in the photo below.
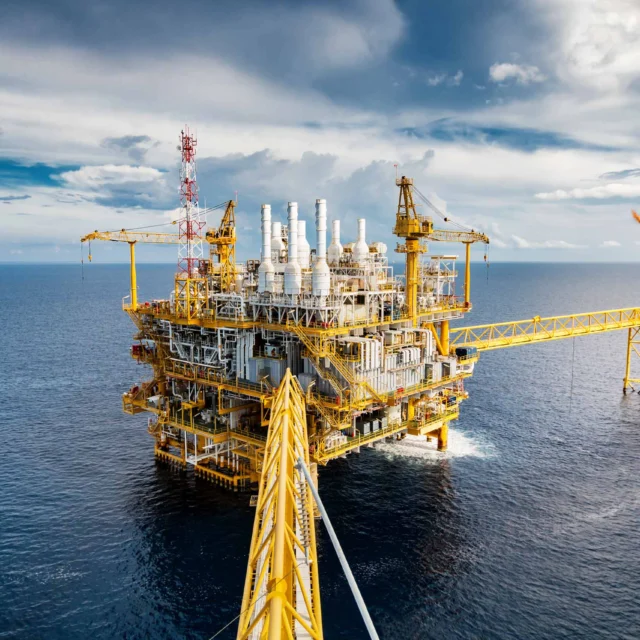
(511, 334)
(282, 592)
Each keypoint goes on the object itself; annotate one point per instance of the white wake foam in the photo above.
(461, 445)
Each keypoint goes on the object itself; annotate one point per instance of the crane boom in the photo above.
(132, 236)
(466, 237)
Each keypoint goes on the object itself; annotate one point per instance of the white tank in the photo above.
(335, 248)
(265, 270)
(292, 272)
(379, 247)
(321, 276)
(277, 245)
(304, 250)
(361, 248)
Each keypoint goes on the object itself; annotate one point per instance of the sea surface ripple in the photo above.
(526, 528)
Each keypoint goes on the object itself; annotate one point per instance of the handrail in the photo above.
(327, 453)
(509, 334)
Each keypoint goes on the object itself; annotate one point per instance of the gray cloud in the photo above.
(326, 36)
(136, 147)
(10, 199)
(620, 175)
(368, 191)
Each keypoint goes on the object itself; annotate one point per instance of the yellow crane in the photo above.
(223, 245)
(131, 237)
(413, 227)
(416, 229)
(221, 240)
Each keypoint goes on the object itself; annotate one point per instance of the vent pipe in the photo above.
(361, 248)
(266, 270)
(277, 246)
(304, 250)
(321, 276)
(292, 272)
(335, 248)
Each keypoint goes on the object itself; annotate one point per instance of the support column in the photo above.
(134, 284)
(411, 278)
(444, 337)
(467, 275)
(411, 409)
(443, 437)
(633, 348)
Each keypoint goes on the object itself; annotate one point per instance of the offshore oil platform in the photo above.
(264, 370)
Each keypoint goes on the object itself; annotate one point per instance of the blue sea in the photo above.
(526, 528)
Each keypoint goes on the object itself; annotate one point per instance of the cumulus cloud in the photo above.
(521, 73)
(96, 177)
(602, 192)
(456, 79)
(442, 78)
(118, 186)
(610, 243)
(521, 243)
(600, 48)
(434, 81)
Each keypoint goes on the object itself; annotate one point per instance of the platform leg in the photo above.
(443, 437)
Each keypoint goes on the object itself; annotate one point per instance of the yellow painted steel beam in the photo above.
(511, 334)
(422, 427)
(468, 237)
(633, 353)
(282, 591)
(133, 236)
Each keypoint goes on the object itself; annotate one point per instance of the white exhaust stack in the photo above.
(266, 270)
(335, 248)
(321, 276)
(361, 248)
(292, 272)
(304, 250)
(277, 246)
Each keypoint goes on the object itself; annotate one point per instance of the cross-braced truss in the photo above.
(281, 594)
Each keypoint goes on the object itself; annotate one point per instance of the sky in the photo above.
(516, 117)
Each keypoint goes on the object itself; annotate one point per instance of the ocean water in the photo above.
(526, 528)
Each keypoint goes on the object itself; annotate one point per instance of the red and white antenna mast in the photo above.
(191, 223)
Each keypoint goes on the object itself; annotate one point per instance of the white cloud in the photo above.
(599, 43)
(521, 73)
(434, 81)
(521, 243)
(610, 243)
(456, 79)
(602, 192)
(94, 177)
(442, 78)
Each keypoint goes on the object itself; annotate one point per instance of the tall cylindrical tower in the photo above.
(321, 276)
(304, 250)
(361, 248)
(335, 248)
(266, 270)
(292, 272)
